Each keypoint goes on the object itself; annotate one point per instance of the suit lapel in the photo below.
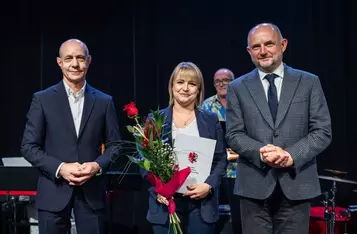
(89, 100)
(202, 125)
(290, 83)
(63, 106)
(257, 92)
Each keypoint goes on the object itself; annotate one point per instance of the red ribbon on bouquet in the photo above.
(169, 189)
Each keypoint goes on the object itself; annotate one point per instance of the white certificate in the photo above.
(196, 153)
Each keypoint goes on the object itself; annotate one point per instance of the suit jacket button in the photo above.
(276, 134)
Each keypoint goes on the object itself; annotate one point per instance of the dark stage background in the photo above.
(136, 44)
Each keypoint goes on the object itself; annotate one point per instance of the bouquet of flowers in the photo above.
(157, 157)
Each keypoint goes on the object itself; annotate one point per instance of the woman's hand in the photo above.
(162, 200)
(198, 191)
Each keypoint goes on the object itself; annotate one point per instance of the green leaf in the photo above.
(158, 118)
(133, 159)
(130, 128)
(146, 164)
(136, 161)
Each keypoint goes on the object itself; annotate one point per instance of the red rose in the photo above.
(131, 109)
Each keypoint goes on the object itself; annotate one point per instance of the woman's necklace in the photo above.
(188, 121)
(185, 122)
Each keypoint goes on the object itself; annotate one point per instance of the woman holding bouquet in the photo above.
(198, 207)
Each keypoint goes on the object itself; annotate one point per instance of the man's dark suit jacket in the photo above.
(50, 139)
(208, 127)
(302, 128)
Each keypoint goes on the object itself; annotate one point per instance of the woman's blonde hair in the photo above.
(191, 71)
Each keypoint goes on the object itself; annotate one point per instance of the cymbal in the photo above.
(336, 172)
(337, 179)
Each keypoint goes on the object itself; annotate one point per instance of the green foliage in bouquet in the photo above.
(155, 154)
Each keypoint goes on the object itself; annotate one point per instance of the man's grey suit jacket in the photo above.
(302, 127)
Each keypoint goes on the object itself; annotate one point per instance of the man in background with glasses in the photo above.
(217, 104)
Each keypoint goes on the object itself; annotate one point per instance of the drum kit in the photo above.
(329, 218)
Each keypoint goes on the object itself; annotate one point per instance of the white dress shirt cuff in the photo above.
(58, 170)
(261, 157)
(228, 154)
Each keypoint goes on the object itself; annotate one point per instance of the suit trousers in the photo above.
(189, 212)
(275, 215)
(88, 221)
(234, 204)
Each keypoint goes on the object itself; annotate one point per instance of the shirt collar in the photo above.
(216, 99)
(70, 92)
(278, 71)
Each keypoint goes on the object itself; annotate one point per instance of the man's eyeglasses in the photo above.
(223, 81)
